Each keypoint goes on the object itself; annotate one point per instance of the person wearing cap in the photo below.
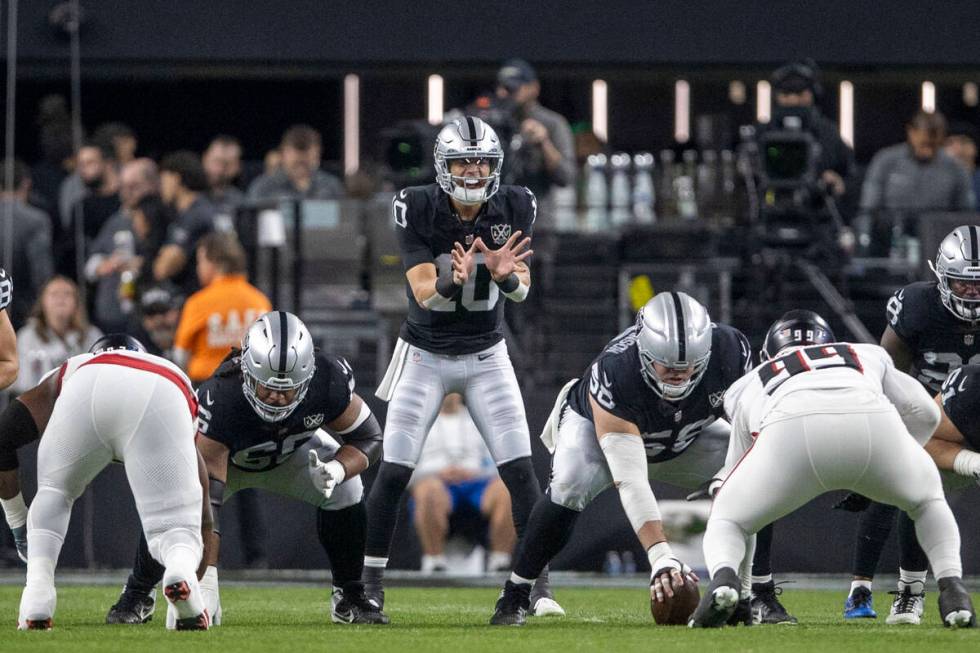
(155, 322)
(546, 155)
(961, 144)
(796, 87)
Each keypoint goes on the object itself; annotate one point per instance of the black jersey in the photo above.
(427, 229)
(6, 289)
(254, 444)
(940, 341)
(616, 383)
(961, 402)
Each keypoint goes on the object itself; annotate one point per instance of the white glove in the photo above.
(325, 476)
(212, 601)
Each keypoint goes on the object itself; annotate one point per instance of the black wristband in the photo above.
(510, 284)
(446, 287)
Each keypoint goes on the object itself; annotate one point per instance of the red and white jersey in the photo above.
(835, 378)
(133, 360)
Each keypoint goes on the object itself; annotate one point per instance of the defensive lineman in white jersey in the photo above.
(815, 416)
(116, 403)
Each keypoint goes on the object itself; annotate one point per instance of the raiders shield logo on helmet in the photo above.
(500, 233)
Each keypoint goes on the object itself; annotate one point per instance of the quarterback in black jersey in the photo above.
(646, 409)
(464, 245)
(261, 424)
(933, 329)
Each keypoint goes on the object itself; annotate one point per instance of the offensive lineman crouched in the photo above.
(827, 415)
(260, 427)
(463, 244)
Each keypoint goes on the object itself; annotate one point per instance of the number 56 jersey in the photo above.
(427, 228)
(255, 445)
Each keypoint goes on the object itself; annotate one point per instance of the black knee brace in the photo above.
(383, 505)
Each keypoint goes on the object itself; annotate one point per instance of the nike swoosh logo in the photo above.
(483, 357)
(207, 398)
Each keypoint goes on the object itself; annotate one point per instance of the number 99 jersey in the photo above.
(255, 445)
(427, 228)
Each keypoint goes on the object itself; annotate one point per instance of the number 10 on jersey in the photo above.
(480, 293)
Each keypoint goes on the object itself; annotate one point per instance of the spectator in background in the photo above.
(454, 481)
(113, 252)
(120, 137)
(184, 186)
(154, 323)
(545, 157)
(31, 265)
(151, 221)
(97, 169)
(58, 329)
(222, 163)
(57, 156)
(299, 175)
(961, 144)
(216, 317)
(906, 179)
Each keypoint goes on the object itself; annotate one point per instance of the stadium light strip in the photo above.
(436, 99)
(682, 111)
(352, 124)
(600, 110)
(847, 112)
(763, 101)
(928, 97)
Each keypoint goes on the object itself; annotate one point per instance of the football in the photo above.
(676, 610)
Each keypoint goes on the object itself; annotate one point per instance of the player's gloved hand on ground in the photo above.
(212, 599)
(706, 490)
(325, 475)
(853, 502)
(667, 568)
(20, 541)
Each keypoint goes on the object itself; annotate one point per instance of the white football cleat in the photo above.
(907, 608)
(37, 606)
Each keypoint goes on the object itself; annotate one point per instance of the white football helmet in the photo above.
(958, 259)
(278, 353)
(468, 137)
(675, 331)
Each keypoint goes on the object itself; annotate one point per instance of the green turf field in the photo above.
(293, 619)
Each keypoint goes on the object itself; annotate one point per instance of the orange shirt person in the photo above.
(215, 318)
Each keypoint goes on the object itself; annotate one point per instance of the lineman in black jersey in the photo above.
(648, 407)
(464, 244)
(263, 421)
(8, 337)
(933, 329)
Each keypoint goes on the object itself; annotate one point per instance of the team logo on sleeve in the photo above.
(500, 233)
(716, 398)
(313, 421)
(968, 339)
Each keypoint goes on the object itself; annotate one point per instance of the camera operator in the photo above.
(797, 87)
(541, 153)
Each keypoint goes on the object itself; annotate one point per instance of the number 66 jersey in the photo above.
(427, 228)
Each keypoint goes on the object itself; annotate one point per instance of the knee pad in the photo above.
(519, 475)
(392, 480)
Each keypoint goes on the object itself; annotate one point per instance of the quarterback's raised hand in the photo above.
(464, 262)
(325, 475)
(501, 263)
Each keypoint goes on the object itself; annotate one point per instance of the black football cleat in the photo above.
(132, 608)
(742, 615)
(955, 604)
(766, 608)
(352, 605)
(720, 601)
(512, 606)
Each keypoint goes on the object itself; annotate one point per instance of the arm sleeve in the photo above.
(414, 249)
(916, 408)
